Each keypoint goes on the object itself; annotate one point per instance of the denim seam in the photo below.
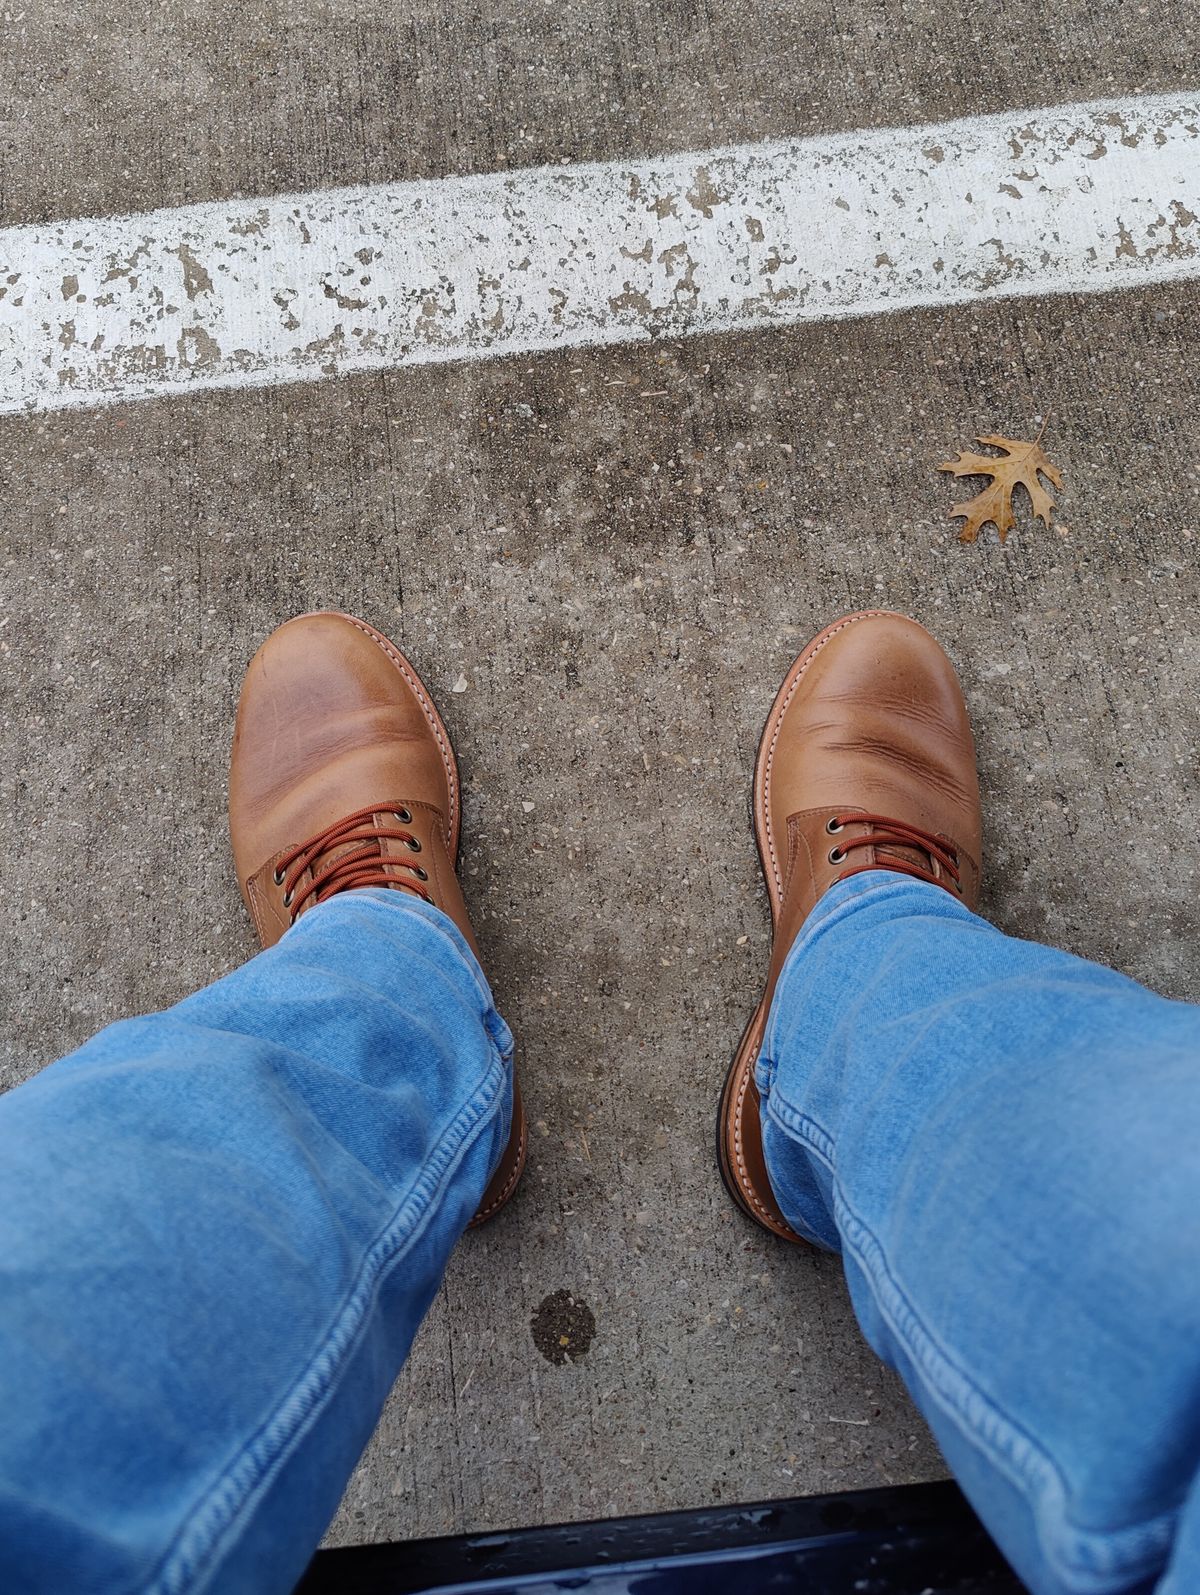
(436, 918)
(829, 912)
(1090, 1553)
(187, 1562)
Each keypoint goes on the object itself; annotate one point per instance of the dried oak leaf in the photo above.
(1020, 465)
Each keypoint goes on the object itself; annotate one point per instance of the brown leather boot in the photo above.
(342, 777)
(866, 763)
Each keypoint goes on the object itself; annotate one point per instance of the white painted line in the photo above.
(1076, 197)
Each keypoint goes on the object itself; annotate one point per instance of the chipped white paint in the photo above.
(1077, 197)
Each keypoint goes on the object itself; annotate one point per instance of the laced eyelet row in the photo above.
(880, 831)
(361, 860)
(832, 826)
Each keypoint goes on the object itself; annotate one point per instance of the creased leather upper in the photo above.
(333, 719)
(875, 724)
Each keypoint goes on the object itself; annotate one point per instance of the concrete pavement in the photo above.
(621, 580)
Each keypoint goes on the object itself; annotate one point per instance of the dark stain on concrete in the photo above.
(563, 1328)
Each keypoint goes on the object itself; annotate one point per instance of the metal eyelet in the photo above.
(834, 825)
(422, 875)
(287, 899)
(277, 877)
(413, 845)
(403, 816)
(836, 855)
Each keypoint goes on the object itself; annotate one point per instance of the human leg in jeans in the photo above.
(1001, 1140)
(220, 1226)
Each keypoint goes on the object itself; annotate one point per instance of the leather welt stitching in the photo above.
(743, 1173)
(405, 670)
(509, 1185)
(866, 614)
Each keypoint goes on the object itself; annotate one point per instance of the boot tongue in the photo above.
(884, 852)
(379, 852)
(906, 855)
(326, 860)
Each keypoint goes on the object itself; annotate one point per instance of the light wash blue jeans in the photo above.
(220, 1227)
(1003, 1143)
